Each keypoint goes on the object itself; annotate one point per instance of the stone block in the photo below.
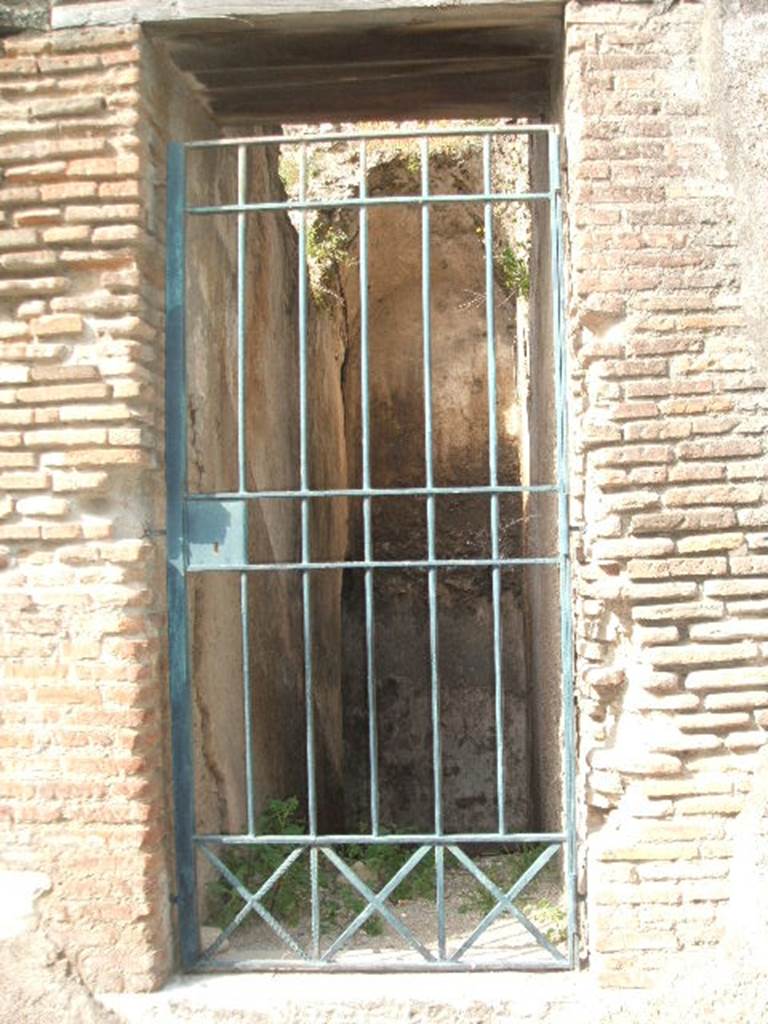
(702, 654)
(746, 677)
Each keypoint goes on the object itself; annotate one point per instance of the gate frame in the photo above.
(182, 733)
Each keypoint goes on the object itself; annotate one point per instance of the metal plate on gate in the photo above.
(217, 533)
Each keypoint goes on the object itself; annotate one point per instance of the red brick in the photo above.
(34, 286)
(18, 238)
(100, 214)
(62, 393)
(675, 567)
(57, 324)
(721, 448)
(44, 171)
(66, 235)
(38, 215)
(722, 494)
(68, 190)
(24, 481)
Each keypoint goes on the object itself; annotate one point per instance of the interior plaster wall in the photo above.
(542, 584)
(460, 456)
(272, 457)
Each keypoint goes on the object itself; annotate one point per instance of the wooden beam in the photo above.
(251, 49)
(216, 83)
(245, 8)
(433, 108)
(493, 94)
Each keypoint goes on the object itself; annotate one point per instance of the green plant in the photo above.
(375, 864)
(339, 904)
(253, 865)
(289, 167)
(327, 251)
(288, 170)
(413, 164)
(513, 267)
(290, 896)
(549, 917)
(382, 862)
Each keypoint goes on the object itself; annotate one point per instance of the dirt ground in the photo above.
(38, 985)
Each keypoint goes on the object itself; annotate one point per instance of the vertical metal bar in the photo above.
(365, 416)
(306, 579)
(314, 884)
(176, 486)
(304, 486)
(426, 312)
(242, 484)
(442, 946)
(241, 243)
(566, 623)
(245, 633)
(493, 473)
(429, 473)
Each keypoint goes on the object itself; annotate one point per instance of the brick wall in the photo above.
(670, 474)
(82, 790)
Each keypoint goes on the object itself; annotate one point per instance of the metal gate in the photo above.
(195, 546)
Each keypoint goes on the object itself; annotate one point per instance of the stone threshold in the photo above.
(474, 998)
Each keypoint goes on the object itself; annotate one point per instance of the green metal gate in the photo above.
(193, 520)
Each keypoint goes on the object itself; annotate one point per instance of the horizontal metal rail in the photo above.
(434, 563)
(288, 205)
(390, 839)
(382, 966)
(402, 133)
(376, 492)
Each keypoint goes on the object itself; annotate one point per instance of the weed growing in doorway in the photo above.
(383, 862)
(289, 898)
(513, 267)
(253, 865)
(328, 250)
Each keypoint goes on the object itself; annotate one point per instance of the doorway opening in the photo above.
(370, 654)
